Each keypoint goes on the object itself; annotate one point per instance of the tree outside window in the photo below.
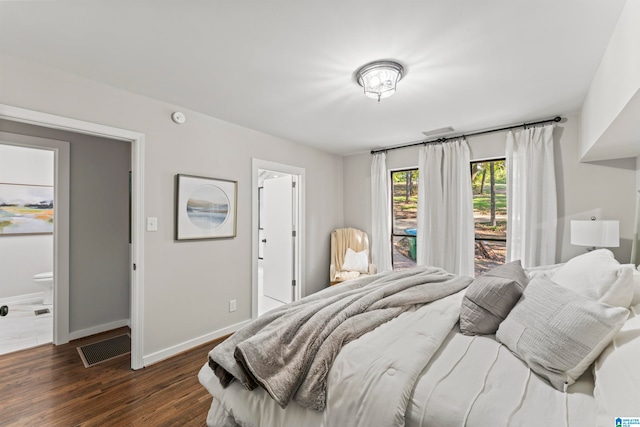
(404, 194)
(489, 187)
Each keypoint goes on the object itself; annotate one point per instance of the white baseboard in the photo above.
(176, 349)
(34, 298)
(98, 329)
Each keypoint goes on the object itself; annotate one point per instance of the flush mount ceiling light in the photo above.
(379, 78)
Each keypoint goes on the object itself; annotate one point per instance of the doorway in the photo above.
(278, 235)
(27, 200)
(61, 222)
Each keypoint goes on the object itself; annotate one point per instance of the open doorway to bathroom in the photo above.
(64, 299)
(27, 206)
(275, 254)
(278, 219)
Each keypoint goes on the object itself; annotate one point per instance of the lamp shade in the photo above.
(602, 234)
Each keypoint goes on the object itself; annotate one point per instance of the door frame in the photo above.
(60, 150)
(299, 219)
(61, 242)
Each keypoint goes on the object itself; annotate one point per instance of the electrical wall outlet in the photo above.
(232, 305)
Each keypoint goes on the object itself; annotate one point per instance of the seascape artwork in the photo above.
(205, 208)
(26, 209)
(208, 207)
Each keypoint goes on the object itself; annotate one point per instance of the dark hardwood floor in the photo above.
(49, 386)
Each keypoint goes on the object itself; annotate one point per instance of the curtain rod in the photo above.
(524, 125)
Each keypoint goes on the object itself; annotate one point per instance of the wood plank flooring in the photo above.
(49, 386)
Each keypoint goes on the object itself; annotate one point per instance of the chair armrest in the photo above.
(373, 269)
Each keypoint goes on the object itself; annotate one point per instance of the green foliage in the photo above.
(481, 169)
(401, 176)
(482, 203)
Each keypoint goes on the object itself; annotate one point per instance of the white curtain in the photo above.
(380, 213)
(532, 213)
(445, 208)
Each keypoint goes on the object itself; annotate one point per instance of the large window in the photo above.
(489, 186)
(404, 195)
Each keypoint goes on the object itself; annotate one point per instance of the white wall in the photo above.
(610, 110)
(21, 257)
(604, 189)
(638, 173)
(189, 284)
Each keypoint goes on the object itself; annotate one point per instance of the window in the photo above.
(404, 196)
(489, 187)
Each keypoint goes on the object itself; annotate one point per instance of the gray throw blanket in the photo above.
(289, 351)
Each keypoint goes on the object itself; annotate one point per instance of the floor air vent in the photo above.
(101, 351)
(41, 311)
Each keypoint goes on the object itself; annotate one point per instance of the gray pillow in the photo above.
(558, 332)
(490, 298)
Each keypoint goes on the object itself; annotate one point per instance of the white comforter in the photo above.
(417, 370)
(370, 382)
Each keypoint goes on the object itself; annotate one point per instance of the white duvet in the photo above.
(416, 370)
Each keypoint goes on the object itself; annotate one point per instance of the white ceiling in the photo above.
(286, 67)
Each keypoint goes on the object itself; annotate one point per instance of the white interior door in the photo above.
(278, 238)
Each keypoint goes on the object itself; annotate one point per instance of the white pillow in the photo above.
(599, 276)
(542, 271)
(356, 261)
(617, 376)
(557, 332)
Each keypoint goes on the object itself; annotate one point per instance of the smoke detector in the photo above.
(178, 117)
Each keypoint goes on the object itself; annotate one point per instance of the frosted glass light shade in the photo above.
(601, 234)
(379, 79)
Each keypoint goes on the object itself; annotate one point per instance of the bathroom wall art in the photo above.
(25, 209)
(205, 208)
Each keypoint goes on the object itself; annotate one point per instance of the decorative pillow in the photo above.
(542, 271)
(599, 276)
(557, 332)
(617, 375)
(356, 261)
(490, 298)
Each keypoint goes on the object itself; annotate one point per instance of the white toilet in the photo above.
(45, 280)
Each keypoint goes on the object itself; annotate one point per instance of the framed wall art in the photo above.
(26, 209)
(205, 208)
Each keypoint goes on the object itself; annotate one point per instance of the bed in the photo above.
(434, 364)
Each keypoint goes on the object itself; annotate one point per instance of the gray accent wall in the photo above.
(99, 291)
(604, 189)
(188, 285)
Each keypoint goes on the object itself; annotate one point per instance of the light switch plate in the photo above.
(152, 223)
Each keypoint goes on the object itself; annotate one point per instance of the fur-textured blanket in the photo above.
(289, 351)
